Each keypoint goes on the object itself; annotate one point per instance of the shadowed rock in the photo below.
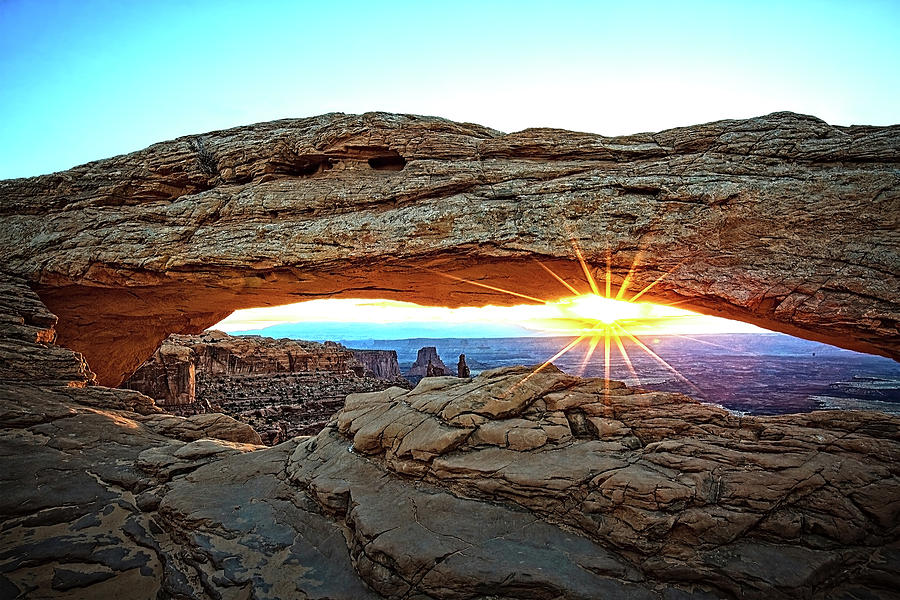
(428, 364)
(170, 375)
(462, 369)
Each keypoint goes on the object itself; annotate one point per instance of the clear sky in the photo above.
(82, 80)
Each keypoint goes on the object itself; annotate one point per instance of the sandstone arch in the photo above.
(782, 220)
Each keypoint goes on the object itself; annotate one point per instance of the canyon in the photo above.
(505, 485)
(282, 388)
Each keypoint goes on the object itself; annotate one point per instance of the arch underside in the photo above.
(782, 221)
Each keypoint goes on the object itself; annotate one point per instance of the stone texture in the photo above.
(498, 487)
(782, 220)
(170, 375)
(282, 405)
(654, 486)
(382, 364)
(280, 388)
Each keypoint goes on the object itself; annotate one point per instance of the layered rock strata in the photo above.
(783, 221)
(282, 388)
(382, 364)
(170, 374)
(653, 486)
(427, 364)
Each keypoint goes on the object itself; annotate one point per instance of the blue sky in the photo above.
(86, 80)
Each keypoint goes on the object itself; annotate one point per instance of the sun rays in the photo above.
(597, 317)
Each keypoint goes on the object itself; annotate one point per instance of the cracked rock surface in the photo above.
(783, 221)
(499, 487)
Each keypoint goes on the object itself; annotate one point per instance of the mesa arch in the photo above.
(783, 221)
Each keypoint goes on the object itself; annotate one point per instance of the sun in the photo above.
(599, 317)
(592, 307)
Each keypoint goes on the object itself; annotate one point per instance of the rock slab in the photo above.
(507, 485)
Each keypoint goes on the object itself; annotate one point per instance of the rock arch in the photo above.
(783, 221)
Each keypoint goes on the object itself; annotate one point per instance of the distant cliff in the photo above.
(170, 376)
(428, 356)
(379, 363)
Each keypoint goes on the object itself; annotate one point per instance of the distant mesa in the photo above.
(428, 364)
(282, 388)
(380, 364)
(170, 375)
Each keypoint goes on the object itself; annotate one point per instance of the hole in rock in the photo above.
(308, 167)
(387, 163)
(286, 370)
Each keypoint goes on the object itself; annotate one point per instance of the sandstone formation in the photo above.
(170, 374)
(283, 405)
(462, 369)
(428, 364)
(380, 363)
(498, 487)
(282, 388)
(782, 220)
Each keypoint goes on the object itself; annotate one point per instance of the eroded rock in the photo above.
(660, 488)
(501, 486)
(783, 221)
(170, 375)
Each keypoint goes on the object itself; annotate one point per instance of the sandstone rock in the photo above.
(380, 363)
(283, 405)
(500, 486)
(428, 364)
(280, 388)
(462, 369)
(679, 490)
(483, 488)
(210, 425)
(170, 375)
(781, 220)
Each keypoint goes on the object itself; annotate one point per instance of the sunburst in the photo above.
(597, 316)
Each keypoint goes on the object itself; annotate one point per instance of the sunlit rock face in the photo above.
(782, 220)
(501, 486)
(170, 375)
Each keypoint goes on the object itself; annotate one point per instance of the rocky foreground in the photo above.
(498, 487)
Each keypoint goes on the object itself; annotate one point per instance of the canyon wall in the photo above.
(783, 221)
(170, 375)
(282, 388)
(380, 363)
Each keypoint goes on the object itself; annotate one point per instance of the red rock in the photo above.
(783, 221)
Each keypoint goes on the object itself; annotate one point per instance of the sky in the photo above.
(84, 80)
(570, 316)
